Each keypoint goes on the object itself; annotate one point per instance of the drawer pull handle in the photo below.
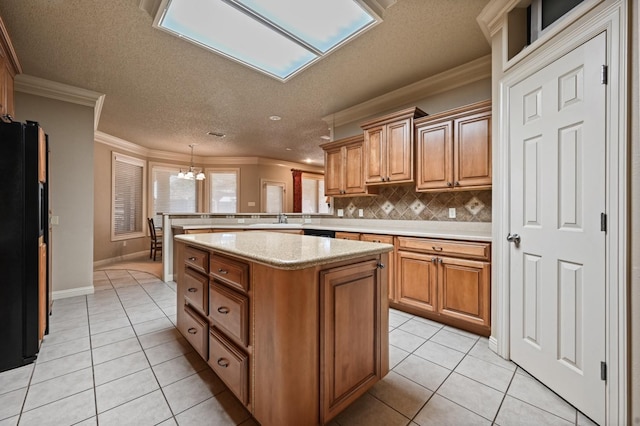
(192, 331)
(436, 248)
(224, 310)
(223, 362)
(192, 259)
(223, 271)
(192, 290)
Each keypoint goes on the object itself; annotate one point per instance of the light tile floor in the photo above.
(115, 358)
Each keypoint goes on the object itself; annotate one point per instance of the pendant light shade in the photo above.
(193, 172)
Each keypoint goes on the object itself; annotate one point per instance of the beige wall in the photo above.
(70, 130)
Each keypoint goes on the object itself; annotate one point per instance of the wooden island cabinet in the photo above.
(295, 326)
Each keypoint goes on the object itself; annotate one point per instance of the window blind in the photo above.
(171, 194)
(223, 191)
(128, 193)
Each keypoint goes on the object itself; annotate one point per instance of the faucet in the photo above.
(282, 218)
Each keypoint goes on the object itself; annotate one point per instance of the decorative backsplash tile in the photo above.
(404, 203)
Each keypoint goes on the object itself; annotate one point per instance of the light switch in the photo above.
(360, 213)
(340, 212)
(240, 220)
(452, 213)
(251, 204)
(55, 220)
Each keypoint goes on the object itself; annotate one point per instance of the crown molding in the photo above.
(62, 92)
(121, 144)
(492, 17)
(470, 72)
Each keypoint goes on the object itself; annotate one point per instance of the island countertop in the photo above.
(284, 251)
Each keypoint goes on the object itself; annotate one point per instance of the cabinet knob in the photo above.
(224, 310)
(192, 290)
(380, 265)
(382, 178)
(388, 179)
(434, 259)
(223, 271)
(439, 260)
(449, 184)
(457, 183)
(192, 331)
(193, 259)
(223, 362)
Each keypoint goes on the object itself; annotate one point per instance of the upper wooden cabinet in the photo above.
(454, 149)
(388, 147)
(9, 67)
(343, 167)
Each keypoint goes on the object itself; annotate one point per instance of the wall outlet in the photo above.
(55, 220)
(251, 204)
(452, 213)
(360, 212)
(240, 220)
(340, 212)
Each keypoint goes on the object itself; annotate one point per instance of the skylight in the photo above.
(277, 37)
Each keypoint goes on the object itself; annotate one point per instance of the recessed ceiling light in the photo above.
(217, 134)
(275, 118)
(308, 160)
(325, 137)
(288, 149)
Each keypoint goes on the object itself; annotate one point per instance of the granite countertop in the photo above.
(284, 251)
(448, 230)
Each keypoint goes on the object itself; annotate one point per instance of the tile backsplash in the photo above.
(404, 203)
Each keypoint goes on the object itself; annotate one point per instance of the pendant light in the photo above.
(192, 173)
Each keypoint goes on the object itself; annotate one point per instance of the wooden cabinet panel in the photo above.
(386, 239)
(195, 329)
(464, 290)
(467, 249)
(230, 271)
(197, 259)
(197, 231)
(230, 364)
(9, 68)
(348, 364)
(42, 155)
(195, 290)
(388, 146)
(434, 155)
(42, 289)
(229, 311)
(348, 235)
(344, 167)
(472, 150)
(454, 149)
(417, 280)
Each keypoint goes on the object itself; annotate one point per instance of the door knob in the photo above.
(513, 238)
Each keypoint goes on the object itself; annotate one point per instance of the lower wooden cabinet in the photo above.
(348, 235)
(452, 290)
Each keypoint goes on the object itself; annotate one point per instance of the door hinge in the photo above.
(604, 75)
(603, 222)
(603, 370)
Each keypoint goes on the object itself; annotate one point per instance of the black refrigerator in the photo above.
(24, 213)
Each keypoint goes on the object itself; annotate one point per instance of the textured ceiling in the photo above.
(165, 93)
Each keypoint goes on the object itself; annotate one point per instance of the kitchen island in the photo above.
(296, 326)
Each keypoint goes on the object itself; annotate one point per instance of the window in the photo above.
(127, 191)
(272, 197)
(223, 190)
(313, 198)
(171, 194)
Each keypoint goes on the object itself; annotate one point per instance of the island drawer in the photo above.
(467, 249)
(195, 330)
(229, 311)
(230, 364)
(232, 272)
(197, 259)
(376, 238)
(196, 289)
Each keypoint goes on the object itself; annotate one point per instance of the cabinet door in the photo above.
(416, 280)
(399, 146)
(375, 151)
(434, 156)
(351, 329)
(464, 290)
(333, 171)
(42, 289)
(352, 169)
(472, 150)
(386, 239)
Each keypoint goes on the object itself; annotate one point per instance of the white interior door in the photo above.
(557, 188)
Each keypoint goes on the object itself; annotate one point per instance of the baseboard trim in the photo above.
(130, 256)
(72, 292)
(493, 344)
